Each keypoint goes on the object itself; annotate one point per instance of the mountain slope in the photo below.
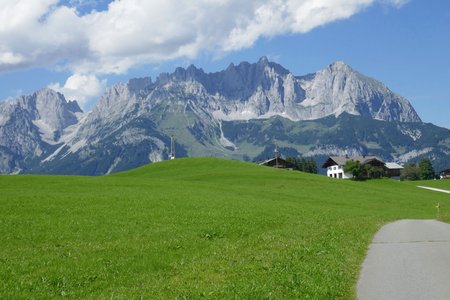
(346, 134)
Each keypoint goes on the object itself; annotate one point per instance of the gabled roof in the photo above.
(268, 161)
(265, 162)
(341, 160)
(393, 166)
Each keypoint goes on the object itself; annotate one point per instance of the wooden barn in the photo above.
(392, 170)
(277, 162)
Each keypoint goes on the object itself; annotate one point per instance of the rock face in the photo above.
(339, 89)
(131, 124)
(266, 89)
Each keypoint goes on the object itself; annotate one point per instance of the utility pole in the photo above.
(276, 156)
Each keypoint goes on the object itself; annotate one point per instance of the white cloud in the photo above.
(9, 58)
(39, 33)
(82, 88)
(132, 32)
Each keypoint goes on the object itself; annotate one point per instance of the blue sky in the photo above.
(80, 47)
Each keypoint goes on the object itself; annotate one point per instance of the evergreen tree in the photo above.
(426, 170)
(303, 164)
(311, 166)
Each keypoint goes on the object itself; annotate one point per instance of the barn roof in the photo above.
(393, 166)
(341, 160)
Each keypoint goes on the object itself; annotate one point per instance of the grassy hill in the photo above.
(194, 228)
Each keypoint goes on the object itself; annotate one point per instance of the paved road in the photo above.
(434, 189)
(408, 259)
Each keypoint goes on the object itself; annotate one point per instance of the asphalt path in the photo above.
(408, 259)
(434, 189)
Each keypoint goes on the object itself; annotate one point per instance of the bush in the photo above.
(355, 168)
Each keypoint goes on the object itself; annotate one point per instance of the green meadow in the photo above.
(198, 228)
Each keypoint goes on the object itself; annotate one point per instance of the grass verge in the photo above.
(192, 229)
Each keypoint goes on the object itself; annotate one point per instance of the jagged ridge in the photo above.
(132, 123)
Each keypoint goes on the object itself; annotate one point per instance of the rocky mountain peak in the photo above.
(51, 112)
(47, 98)
(263, 60)
(340, 66)
(139, 84)
(339, 88)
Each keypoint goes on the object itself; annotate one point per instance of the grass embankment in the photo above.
(194, 228)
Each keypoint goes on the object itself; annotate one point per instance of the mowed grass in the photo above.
(197, 228)
(440, 184)
(444, 210)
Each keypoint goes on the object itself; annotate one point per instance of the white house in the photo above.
(335, 165)
(445, 174)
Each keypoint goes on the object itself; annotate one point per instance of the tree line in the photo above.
(422, 171)
(303, 164)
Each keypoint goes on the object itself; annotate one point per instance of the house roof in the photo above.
(393, 166)
(341, 160)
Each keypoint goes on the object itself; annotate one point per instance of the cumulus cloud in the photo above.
(39, 33)
(81, 88)
(132, 32)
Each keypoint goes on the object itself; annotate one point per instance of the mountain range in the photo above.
(241, 112)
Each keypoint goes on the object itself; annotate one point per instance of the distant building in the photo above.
(335, 165)
(277, 162)
(392, 170)
(445, 174)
